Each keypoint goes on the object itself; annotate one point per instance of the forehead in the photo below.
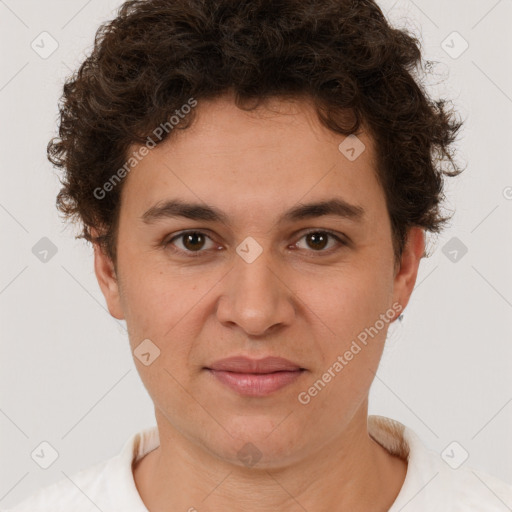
(272, 157)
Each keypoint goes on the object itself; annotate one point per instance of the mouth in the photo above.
(243, 364)
(255, 377)
(256, 384)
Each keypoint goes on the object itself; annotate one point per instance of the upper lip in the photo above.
(242, 364)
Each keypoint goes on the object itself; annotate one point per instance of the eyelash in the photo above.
(195, 254)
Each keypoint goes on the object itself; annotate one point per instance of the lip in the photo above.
(242, 364)
(256, 384)
(255, 377)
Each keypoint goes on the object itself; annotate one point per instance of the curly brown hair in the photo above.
(343, 54)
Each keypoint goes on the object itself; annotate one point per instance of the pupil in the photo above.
(317, 236)
(192, 237)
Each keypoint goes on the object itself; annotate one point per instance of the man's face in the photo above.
(305, 297)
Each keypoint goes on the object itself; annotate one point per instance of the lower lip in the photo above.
(252, 384)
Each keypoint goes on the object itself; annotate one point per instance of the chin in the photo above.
(259, 442)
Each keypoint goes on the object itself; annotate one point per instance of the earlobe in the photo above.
(405, 278)
(107, 280)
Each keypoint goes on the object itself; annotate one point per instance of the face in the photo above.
(270, 277)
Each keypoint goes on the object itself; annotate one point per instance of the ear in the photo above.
(405, 276)
(107, 279)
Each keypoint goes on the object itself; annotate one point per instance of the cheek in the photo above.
(350, 339)
(348, 300)
(152, 296)
(167, 310)
(347, 309)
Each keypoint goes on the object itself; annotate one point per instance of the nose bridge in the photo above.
(254, 297)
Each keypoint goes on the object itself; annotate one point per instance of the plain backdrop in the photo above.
(67, 375)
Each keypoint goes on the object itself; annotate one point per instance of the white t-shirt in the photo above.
(431, 484)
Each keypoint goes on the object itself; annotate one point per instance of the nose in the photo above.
(256, 297)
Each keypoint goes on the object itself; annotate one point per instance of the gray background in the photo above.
(67, 375)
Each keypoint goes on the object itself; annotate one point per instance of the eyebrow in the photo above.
(175, 208)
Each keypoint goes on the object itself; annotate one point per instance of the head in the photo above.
(303, 161)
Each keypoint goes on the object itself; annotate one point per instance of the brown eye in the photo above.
(191, 242)
(319, 240)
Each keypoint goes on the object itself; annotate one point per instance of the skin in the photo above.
(299, 299)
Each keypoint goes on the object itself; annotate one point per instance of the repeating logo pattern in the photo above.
(39, 252)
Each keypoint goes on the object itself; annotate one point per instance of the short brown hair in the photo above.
(343, 54)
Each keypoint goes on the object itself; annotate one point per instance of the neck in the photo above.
(351, 472)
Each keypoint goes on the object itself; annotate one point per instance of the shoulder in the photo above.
(476, 489)
(108, 485)
(439, 481)
(445, 481)
(78, 492)
(463, 489)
